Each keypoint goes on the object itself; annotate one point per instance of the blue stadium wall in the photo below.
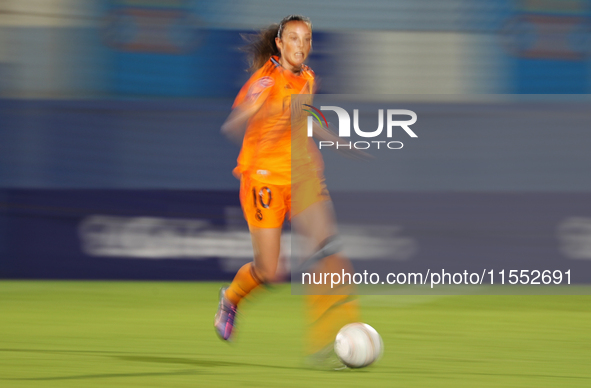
(143, 190)
(188, 235)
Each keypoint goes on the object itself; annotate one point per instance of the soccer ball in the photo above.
(358, 345)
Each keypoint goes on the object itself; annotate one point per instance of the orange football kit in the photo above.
(281, 173)
(265, 161)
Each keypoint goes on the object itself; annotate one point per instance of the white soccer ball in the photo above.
(358, 345)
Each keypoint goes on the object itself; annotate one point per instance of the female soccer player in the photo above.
(261, 119)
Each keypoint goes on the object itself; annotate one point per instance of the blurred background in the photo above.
(112, 165)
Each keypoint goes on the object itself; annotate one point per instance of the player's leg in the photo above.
(266, 243)
(265, 217)
(328, 309)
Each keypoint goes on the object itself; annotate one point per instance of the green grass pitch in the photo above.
(159, 334)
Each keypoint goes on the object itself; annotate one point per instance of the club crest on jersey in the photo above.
(259, 87)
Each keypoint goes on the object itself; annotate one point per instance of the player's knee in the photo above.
(264, 274)
(329, 247)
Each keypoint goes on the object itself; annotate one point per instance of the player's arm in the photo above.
(235, 125)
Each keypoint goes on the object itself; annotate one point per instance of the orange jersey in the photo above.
(266, 148)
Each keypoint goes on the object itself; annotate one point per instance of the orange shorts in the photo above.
(266, 205)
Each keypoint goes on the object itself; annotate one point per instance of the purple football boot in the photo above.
(224, 318)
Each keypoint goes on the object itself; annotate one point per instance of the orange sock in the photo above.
(330, 309)
(244, 282)
(327, 314)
